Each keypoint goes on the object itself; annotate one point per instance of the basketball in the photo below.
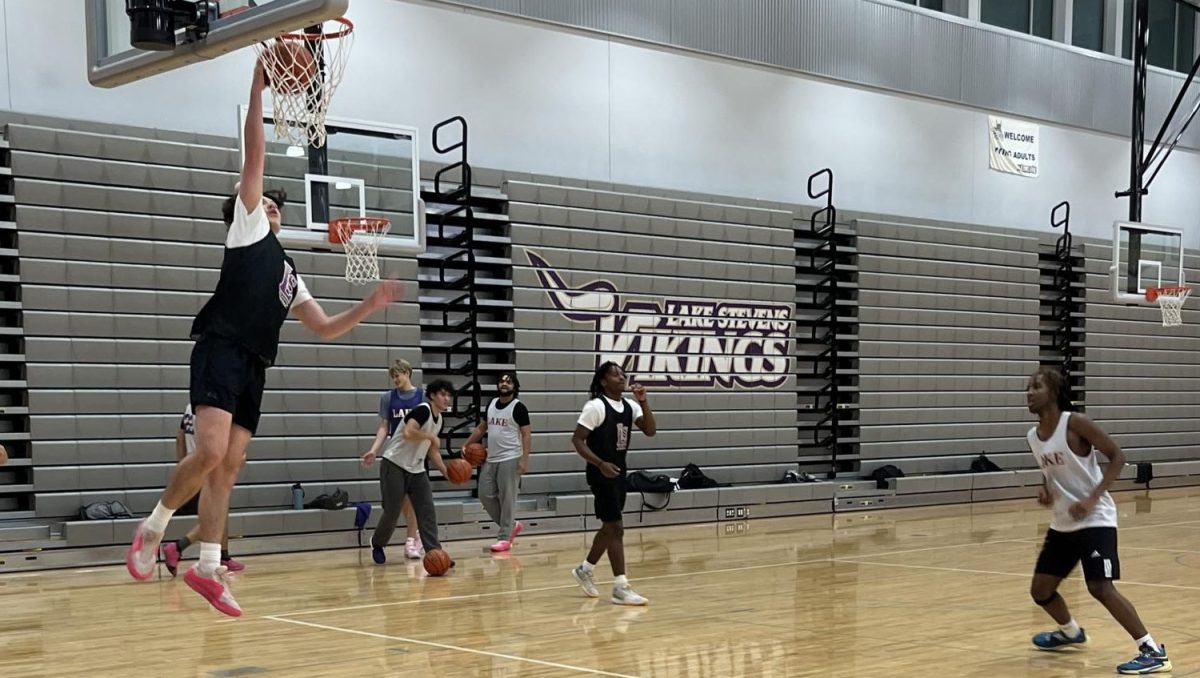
(289, 66)
(458, 471)
(475, 453)
(437, 562)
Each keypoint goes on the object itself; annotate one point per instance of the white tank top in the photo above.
(1071, 478)
(504, 435)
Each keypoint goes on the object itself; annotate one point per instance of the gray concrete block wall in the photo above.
(948, 332)
(120, 240)
(661, 285)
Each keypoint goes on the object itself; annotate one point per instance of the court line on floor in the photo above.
(674, 575)
(1024, 575)
(444, 646)
(1122, 547)
(1182, 523)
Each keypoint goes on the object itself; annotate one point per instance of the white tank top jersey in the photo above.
(504, 433)
(1071, 478)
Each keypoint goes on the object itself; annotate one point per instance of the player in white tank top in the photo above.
(1071, 480)
(1083, 528)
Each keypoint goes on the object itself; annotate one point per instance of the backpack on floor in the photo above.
(693, 478)
(642, 482)
(104, 510)
(984, 465)
(1145, 473)
(337, 501)
(884, 473)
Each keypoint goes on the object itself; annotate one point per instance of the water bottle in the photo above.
(297, 497)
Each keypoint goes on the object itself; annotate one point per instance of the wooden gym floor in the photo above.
(911, 592)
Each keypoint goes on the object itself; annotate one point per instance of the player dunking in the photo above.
(1084, 523)
(602, 438)
(237, 338)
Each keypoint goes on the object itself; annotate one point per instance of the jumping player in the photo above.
(237, 339)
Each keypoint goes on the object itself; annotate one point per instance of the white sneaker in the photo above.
(413, 550)
(625, 595)
(586, 582)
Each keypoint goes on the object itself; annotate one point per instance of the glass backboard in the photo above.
(364, 169)
(1145, 256)
(236, 24)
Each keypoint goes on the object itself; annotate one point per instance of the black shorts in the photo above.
(227, 376)
(1096, 547)
(609, 497)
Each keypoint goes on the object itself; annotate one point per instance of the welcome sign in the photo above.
(1013, 146)
(678, 342)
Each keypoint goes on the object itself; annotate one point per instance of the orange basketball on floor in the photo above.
(458, 471)
(437, 562)
(289, 66)
(475, 454)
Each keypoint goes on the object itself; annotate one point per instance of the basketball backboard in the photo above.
(364, 169)
(235, 24)
(1144, 256)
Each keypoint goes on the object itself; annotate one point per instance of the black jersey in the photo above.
(254, 293)
(610, 440)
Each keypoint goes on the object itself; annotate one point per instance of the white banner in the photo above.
(1013, 146)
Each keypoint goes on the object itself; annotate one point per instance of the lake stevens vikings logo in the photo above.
(697, 343)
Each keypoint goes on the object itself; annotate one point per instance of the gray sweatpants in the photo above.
(395, 483)
(499, 483)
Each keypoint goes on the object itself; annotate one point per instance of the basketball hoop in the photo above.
(303, 70)
(1170, 300)
(359, 237)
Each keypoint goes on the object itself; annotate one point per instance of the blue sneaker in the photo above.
(1149, 661)
(1053, 640)
(378, 555)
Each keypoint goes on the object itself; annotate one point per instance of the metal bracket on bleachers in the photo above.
(456, 272)
(1062, 312)
(823, 269)
(16, 478)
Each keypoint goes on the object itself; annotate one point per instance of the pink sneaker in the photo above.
(501, 546)
(233, 565)
(213, 589)
(413, 550)
(143, 553)
(171, 556)
(517, 528)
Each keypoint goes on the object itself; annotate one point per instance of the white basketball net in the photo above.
(300, 96)
(360, 239)
(1171, 303)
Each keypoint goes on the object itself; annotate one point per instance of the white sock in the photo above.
(587, 567)
(157, 522)
(620, 580)
(210, 557)
(1146, 640)
(1070, 629)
